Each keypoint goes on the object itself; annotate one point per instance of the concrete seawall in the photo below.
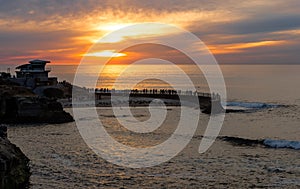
(207, 103)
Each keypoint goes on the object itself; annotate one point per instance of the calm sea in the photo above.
(265, 83)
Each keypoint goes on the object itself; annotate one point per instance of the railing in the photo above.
(213, 96)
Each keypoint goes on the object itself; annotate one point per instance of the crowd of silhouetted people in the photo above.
(154, 91)
(102, 90)
(215, 96)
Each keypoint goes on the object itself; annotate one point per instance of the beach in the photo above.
(61, 159)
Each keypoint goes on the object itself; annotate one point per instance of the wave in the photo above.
(251, 105)
(282, 144)
(247, 107)
(269, 143)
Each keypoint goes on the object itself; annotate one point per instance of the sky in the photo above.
(236, 32)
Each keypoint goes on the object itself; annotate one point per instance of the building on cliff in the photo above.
(35, 74)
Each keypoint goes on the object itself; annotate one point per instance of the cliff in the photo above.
(14, 169)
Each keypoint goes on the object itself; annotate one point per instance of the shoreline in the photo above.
(237, 158)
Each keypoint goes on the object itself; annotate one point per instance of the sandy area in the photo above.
(61, 159)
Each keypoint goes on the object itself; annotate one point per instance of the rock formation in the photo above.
(14, 169)
(21, 105)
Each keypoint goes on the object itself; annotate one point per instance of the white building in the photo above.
(34, 74)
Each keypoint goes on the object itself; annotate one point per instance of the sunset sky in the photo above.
(266, 31)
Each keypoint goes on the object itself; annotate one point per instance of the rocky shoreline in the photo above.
(33, 110)
(14, 168)
(20, 105)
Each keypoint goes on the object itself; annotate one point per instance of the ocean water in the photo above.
(260, 83)
(261, 149)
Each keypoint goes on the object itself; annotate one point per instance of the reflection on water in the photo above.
(265, 83)
(262, 83)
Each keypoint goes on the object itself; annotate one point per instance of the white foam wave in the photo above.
(251, 105)
(282, 144)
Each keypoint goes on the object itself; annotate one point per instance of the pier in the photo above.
(205, 100)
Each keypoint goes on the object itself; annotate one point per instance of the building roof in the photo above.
(37, 61)
(33, 62)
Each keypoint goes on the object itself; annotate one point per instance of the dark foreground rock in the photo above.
(14, 169)
(33, 110)
(20, 105)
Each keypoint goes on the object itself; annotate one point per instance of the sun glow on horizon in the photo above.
(112, 26)
(115, 36)
(105, 53)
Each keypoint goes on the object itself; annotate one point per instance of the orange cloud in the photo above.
(239, 47)
(70, 29)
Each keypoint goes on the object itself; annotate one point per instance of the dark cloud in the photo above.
(265, 24)
(283, 54)
(250, 25)
(19, 46)
(251, 21)
(31, 40)
(44, 9)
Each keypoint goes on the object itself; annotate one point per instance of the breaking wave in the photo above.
(282, 144)
(251, 105)
(235, 107)
(270, 143)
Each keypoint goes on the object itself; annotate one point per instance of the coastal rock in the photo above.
(14, 169)
(21, 105)
(32, 110)
(41, 110)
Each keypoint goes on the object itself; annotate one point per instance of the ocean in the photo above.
(257, 149)
(263, 83)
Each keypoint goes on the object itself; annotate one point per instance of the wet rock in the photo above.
(14, 168)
